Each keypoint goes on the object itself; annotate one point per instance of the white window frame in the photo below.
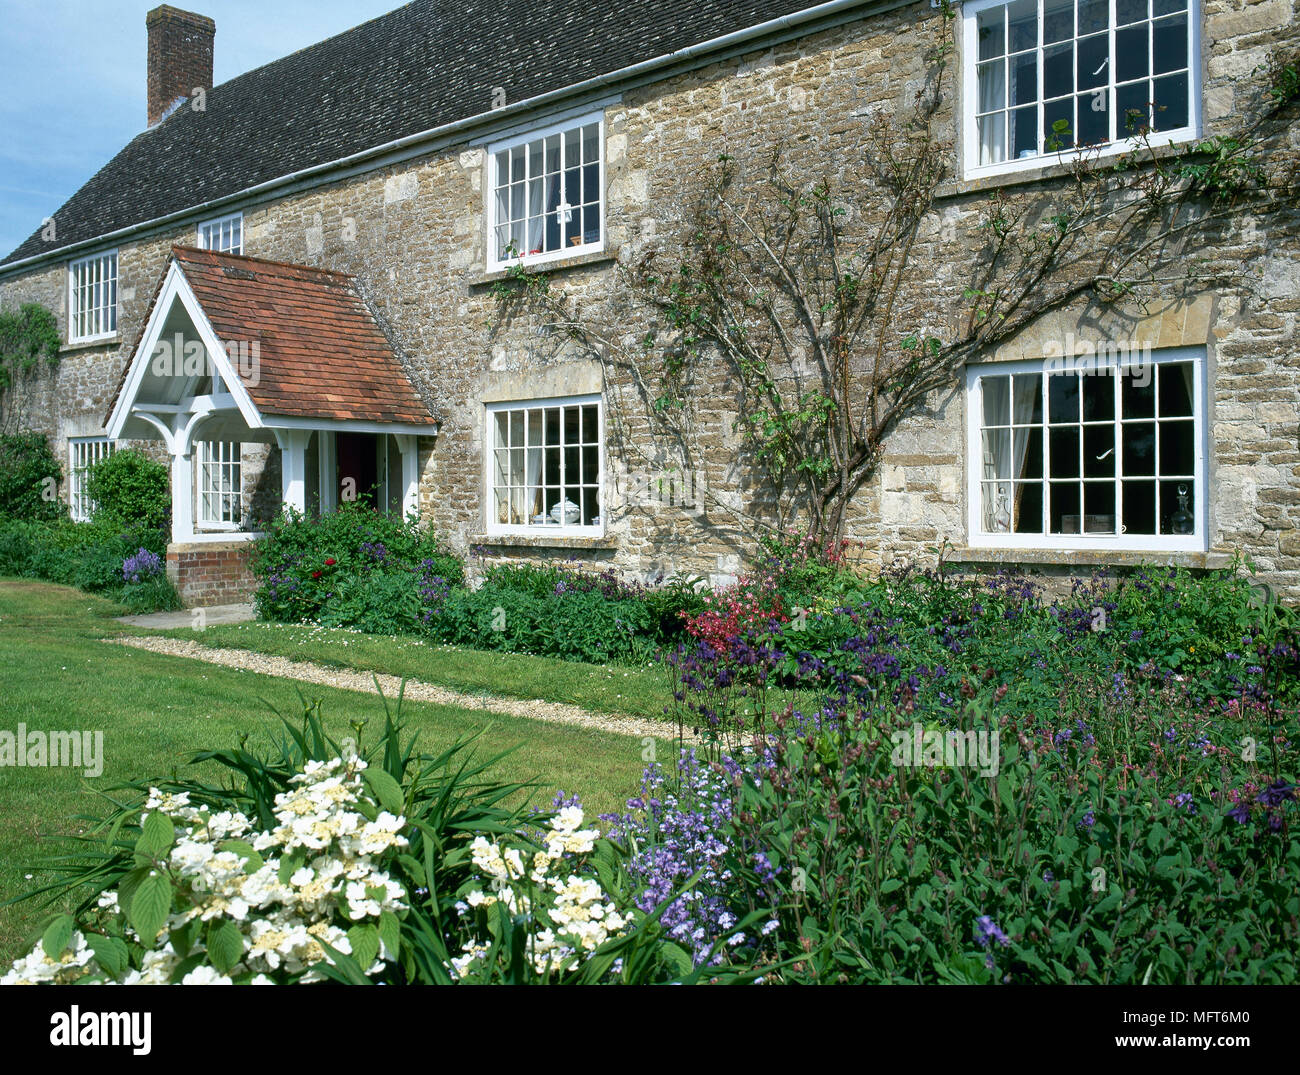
(225, 459)
(83, 453)
(496, 528)
(496, 264)
(978, 537)
(206, 228)
(972, 169)
(93, 277)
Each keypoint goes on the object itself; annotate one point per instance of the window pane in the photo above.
(1169, 44)
(1127, 11)
(997, 453)
(1029, 508)
(997, 400)
(1065, 501)
(1022, 28)
(1063, 397)
(1093, 59)
(1058, 20)
(1064, 453)
(1058, 125)
(989, 31)
(1133, 109)
(1139, 397)
(992, 133)
(992, 85)
(1024, 132)
(1176, 453)
(1139, 448)
(1058, 70)
(1099, 451)
(1175, 390)
(1099, 397)
(1099, 507)
(1024, 79)
(1139, 507)
(1171, 103)
(1094, 15)
(1131, 60)
(1167, 7)
(1094, 117)
(1028, 459)
(1177, 508)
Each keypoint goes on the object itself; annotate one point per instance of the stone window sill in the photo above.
(541, 541)
(1208, 561)
(91, 345)
(483, 278)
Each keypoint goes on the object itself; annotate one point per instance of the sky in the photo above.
(72, 82)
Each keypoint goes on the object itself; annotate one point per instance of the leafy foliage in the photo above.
(29, 477)
(130, 491)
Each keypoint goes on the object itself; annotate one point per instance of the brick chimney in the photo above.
(180, 57)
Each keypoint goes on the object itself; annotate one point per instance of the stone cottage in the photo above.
(284, 285)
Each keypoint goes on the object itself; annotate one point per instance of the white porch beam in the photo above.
(408, 445)
(293, 467)
(183, 496)
(327, 457)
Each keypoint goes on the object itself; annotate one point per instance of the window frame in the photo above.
(524, 138)
(204, 467)
(498, 529)
(110, 310)
(978, 537)
(80, 507)
(969, 139)
(218, 222)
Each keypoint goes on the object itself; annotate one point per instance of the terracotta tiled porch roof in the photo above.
(322, 354)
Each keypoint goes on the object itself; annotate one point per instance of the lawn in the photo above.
(155, 710)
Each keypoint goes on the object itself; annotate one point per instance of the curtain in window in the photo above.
(992, 96)
(1005, 453)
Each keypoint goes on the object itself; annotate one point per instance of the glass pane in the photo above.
(1029, 508)
(992, 85)
(1058, 125)
(1094, 15)
(1140, 395)
(516, 429)
(1024, 132)
(1131, 60)
(1063, 397)
(1175, 390)
(997, 400)
(591, 143)
(1139, 448)
(989, 31)
(503, 429)
(1171, 102)
(1169, 44)
(1099, 397)
(1028, 459)
(1064, 455)
(992, 133)
(1024, 79)
(590, 433)
(1058, 70)
(1177, 508)
(591, 465)
(1022, 28)
(1058, 20)
(1133, 109)
(997, 453)
(1093, 58)
(1099, 508)
(552, 426)
(1176, 453)
(553, 154)
(1167, 7)
(1065, 500)
(1139, 507)
(1099, 451)
(998, 507)
(1127, 11)
(1028, 392)
(1094, 117)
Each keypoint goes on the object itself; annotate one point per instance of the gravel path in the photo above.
(350, 680)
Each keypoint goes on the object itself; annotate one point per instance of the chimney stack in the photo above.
(180, 57)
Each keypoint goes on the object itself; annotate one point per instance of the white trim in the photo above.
(349, 425)
(111, 310)
(978, 538)
(91, 450)
(219, 536)
(220, 222)
(969, 148)
(525, 138)
(497, 529)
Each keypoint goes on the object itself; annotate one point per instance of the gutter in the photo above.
(419, 142)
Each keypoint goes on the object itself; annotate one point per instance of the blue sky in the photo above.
(72, 82)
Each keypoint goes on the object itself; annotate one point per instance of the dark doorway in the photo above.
(358, 466)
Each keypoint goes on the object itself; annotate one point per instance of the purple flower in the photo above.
(143, 565)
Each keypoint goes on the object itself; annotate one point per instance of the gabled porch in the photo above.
(271, 386)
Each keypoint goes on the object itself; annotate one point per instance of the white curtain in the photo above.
(992, 96)
(1005, 450)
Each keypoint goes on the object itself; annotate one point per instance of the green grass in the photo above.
(638, 692)
(156, 710)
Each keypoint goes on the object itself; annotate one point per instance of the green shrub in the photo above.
(156, 594)
(130, 491)
(29, 478)
(378, 604)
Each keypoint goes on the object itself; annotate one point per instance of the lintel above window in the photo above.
(545, 193)
(1043, 78)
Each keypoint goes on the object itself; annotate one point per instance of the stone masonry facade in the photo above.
(414, 235)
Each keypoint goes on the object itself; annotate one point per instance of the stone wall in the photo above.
(414, 234)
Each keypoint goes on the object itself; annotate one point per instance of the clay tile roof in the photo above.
(322, 354)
